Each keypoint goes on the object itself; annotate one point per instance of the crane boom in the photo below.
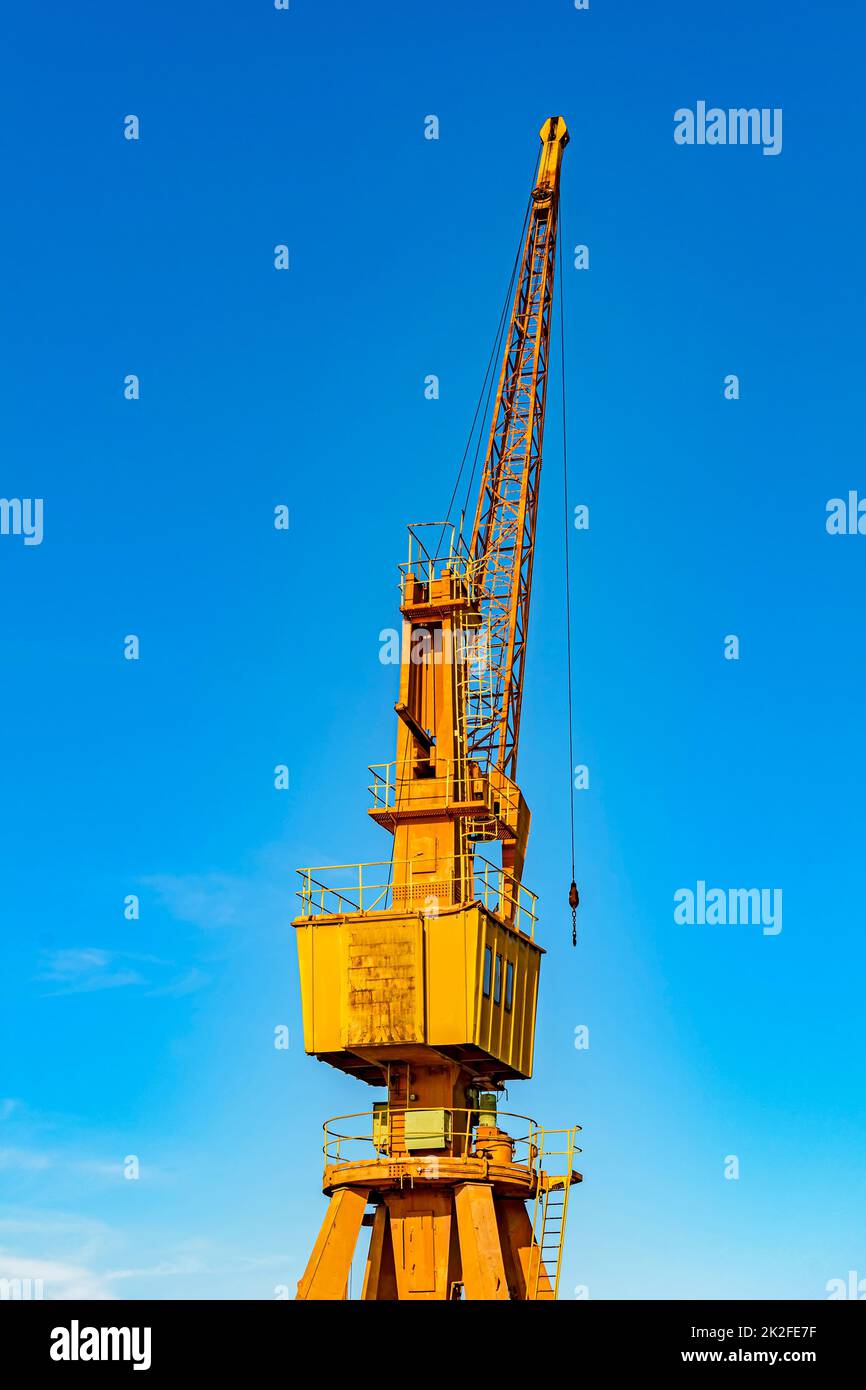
(503, 536)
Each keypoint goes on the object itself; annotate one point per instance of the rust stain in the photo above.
(383, 984)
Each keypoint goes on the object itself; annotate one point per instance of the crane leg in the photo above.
(480, 1248)
(380, 1277)
(327, 1273)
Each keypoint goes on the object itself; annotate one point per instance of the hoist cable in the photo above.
(573, 896)
(497, 352)
(487, 386)
(486, 423)
(484, 389)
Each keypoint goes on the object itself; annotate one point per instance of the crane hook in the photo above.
(573, 901)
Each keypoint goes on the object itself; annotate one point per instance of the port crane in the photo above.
(420, 973)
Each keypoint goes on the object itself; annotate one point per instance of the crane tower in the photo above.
(419, 974)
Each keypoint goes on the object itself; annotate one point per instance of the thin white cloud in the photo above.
(205, 900)
(56, 1224)
(214, 900)
(24, 1160)
(81, 970)
(187, 983)
(73, 1262)
(99, 1168)
(184, 1265)
(167, 1269)
(38, 1161)
(59, 1279)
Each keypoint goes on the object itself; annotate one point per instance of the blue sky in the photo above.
(258, 647)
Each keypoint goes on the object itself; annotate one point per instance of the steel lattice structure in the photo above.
(503, 536)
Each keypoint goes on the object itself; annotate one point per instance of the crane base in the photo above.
(442, 1228)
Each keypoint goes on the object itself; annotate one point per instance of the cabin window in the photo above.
(509, 986)
(497, 982)
(488, 966)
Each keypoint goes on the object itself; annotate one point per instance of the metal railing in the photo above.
(391, 1134)
(425, 564)
(415, 780)
(380, 1133)
(444, 782)
(550, 1210)
(339, 889)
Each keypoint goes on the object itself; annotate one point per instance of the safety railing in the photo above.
(503, 896)
(504, 796)
(443, 782)
(439, 781)
(398, 1130)
(439, 552)
(346, 889)
(556, 1152)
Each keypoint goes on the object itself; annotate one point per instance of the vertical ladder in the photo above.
(550, 1211)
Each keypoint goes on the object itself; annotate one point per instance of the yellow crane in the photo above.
(420, 973)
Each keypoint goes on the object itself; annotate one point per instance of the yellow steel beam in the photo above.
(327, 1274)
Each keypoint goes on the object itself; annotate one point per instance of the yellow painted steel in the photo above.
(462, 980)
(420, 973)
(483, 1262)
(327, 1273)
